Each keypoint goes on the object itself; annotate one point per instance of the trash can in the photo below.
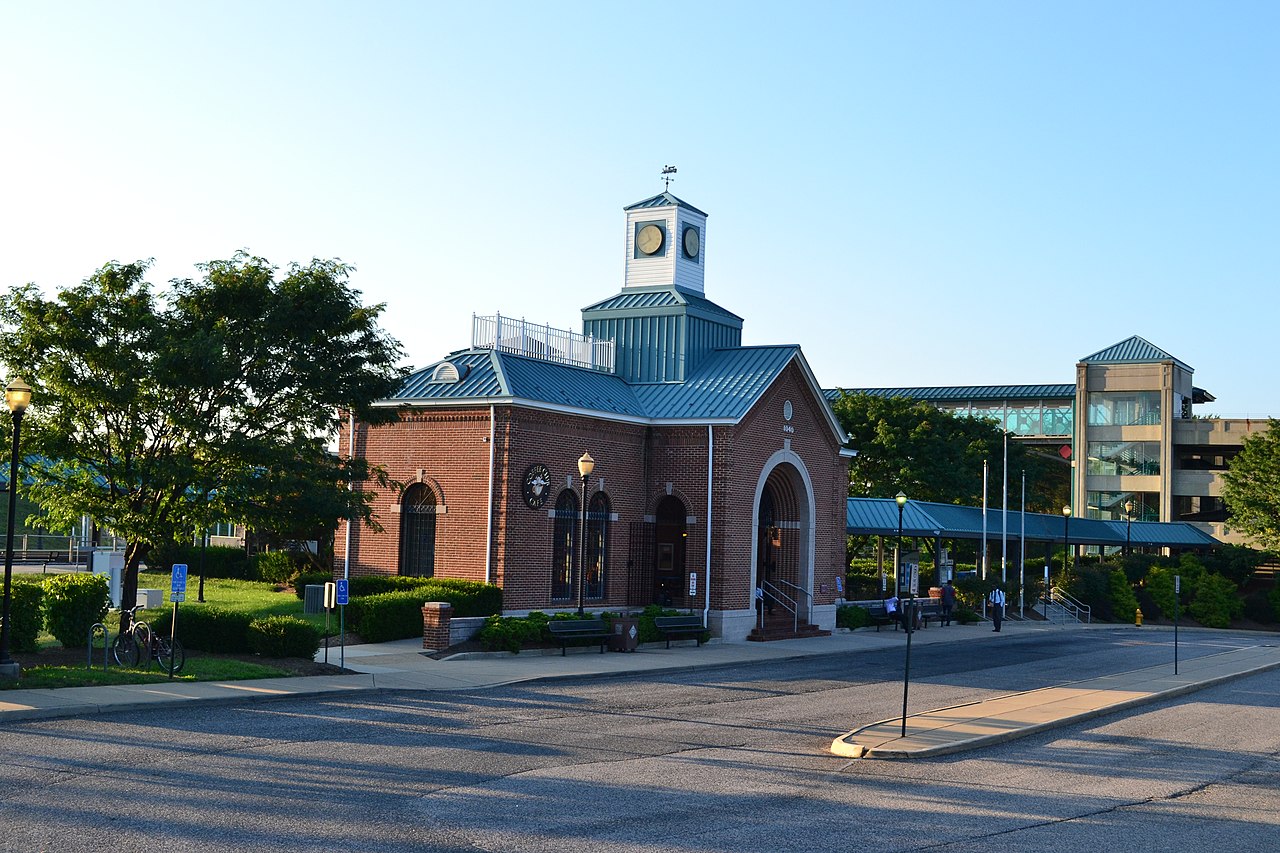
(626, 634)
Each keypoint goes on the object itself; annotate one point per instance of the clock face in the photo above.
(649, 240)
(537, 485)
(691, 242)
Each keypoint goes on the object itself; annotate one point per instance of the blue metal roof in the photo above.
(725, 385)
(663, 199)
(1132, 350)
(879, 516)
(666, 297)
(965, 393)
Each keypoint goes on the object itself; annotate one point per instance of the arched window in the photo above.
(564, 541)
(597, 546)
(418, 532)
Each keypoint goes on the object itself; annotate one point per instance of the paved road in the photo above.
(723, 760)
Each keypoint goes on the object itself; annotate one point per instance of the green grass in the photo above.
(196, 669)
(256, 597)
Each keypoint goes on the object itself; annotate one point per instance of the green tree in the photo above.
(932, 455)
(1251, 487)
(159, 411)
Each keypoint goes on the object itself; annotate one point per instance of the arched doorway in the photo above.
(670, 535)
(784, 546)
(418, 532)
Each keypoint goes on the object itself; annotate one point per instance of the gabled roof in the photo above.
(1132, 350)
(724, 386)
(663, 199)
(965, 393)
(665, 297)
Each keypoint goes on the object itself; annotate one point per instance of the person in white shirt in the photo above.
(996, 600)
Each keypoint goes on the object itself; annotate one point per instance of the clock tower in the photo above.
(666, 244)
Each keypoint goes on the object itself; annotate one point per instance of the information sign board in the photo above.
(179, 578)
(343, 589)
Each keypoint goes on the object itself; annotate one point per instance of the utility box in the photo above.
(150, 598)
(313, 598)
(109, 563)
(626, 634)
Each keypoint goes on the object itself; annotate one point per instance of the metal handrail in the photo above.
(802, 591)
(787, 602)
(1071, 605)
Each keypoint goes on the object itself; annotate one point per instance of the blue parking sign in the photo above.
(179, 578)
(342, 591)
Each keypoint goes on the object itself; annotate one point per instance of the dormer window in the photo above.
(448, 372)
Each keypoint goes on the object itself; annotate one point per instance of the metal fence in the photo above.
(519, 337)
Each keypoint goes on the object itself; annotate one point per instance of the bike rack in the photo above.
(97, 628)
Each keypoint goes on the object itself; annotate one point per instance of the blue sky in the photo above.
(917, 193)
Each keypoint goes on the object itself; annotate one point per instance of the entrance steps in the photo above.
(783, 627)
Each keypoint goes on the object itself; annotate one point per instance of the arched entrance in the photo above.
(784, 532)
(670, 536)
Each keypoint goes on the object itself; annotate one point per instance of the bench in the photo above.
(929, 609)
(564, 630)
(880, 617)
(687, 626)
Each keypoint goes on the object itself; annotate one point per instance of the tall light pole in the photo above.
(585, 466)
(907, 615)
(17, 396)
(1128, 525)
(1066, 540)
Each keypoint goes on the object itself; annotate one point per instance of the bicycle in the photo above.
(140, 645)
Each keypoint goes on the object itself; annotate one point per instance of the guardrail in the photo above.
(1070, 607)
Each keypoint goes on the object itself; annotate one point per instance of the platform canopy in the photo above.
(879, 517)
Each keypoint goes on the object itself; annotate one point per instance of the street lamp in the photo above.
(1128, 525)
(1066, 540)
(907, 620)
(585, 466)
(17, 396)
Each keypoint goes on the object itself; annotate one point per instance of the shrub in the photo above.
(216, 561)
(1120, 596)
(468, 598)
(284, 637)
(274, 566)
(965, 616)
(851, 616)
(511, 633)
(306, 579)
(1257, 607)
(388, 616)
(1159, 586)
(1216, 602)
(1091, 585)
(1274, 598)
(26, 615)
(72, 604)
(1236, 563)
(209, 628)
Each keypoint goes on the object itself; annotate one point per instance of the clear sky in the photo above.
(917, 193)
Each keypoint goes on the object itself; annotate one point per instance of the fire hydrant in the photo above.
(1137, 618)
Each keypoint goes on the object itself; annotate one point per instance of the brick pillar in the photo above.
(436, 616)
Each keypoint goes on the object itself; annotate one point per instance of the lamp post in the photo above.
(1128, 525)
(585, 466)
(906, 613)
(1066, 539)
(17, 396)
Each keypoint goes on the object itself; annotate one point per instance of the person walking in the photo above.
(996, 600)
(948, 601)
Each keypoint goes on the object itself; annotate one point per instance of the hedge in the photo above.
(72, 604)
(209, 628)
(217, 562)
(26, 614)
(284, 637)
(388, 616)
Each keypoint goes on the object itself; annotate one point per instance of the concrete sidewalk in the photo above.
(401, 665)
(964, 727)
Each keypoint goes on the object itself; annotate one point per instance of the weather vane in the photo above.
(667, 173)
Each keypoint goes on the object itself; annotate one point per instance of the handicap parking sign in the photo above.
(179, 578)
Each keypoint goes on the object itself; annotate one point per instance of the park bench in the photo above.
(679, 626)
(880, 617)
(929, 609)
(565, 630)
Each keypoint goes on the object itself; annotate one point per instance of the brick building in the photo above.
(718, 482)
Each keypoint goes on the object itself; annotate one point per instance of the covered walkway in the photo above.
(922, 519)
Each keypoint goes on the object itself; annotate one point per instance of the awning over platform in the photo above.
(879, 516)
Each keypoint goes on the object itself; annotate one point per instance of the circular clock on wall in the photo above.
(536, 486)
(691, 242)
(649, 240)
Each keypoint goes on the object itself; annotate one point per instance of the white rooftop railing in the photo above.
(520, 337)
